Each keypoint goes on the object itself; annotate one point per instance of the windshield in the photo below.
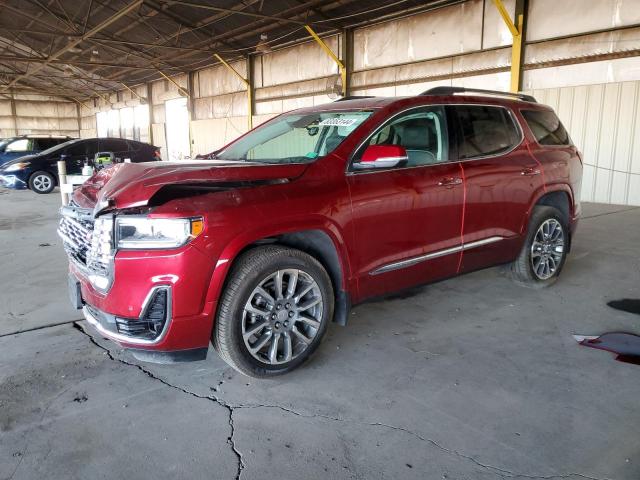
(59, 146)
(295, 138)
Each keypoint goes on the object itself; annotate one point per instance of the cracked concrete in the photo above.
(472, 378)
(213, 398)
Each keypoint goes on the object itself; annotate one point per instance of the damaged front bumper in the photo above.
(154, 301)
(140, 334)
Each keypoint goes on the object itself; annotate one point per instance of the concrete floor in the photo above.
(473, 378)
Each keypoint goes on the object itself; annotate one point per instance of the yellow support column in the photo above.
(328, 51)
(517, 33)
(247, 84)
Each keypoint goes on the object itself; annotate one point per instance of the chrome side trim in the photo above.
(415, 260)
(95, 323)
(430, 256)
(484, 241)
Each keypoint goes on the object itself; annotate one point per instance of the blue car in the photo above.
(16, 147)
(39, 172)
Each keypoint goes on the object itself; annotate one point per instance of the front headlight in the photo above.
(17, 166)
(140, 232)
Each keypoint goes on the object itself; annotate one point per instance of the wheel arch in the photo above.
(559, 199)
(559, 196)
(319, 245)
(324, 244)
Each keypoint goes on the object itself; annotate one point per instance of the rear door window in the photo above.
(80, 148)
(134, 146)
(114, 145)
(46, 143)
(546, 127)
(485, 130)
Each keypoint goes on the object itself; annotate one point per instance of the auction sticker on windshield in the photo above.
(337, 122)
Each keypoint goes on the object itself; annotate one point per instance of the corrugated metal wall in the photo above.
(604, 122)
(38, 115)
(594, 89)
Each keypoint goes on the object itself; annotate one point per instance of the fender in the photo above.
(231, 251)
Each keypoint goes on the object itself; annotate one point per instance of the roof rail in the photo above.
(353, 97)
(453, 90)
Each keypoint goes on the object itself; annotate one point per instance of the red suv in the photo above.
(260, 245)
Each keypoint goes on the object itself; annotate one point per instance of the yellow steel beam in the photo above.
(516, 57)
(233, 70)
(142, 99)
(180, 89)
(105, 98)
(247, 84)
(81, 103)
(516, 50)
(328, 51)
(506, 17)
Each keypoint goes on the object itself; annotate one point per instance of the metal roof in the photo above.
(83, 48)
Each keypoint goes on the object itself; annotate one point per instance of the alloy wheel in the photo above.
(547, 249)
(42, 183)
(282, 316)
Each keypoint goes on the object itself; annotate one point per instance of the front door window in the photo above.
(422, 132)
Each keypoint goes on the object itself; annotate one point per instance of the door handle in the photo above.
(530, 172)
(449, 181)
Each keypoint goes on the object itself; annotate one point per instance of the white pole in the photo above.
(62, 180)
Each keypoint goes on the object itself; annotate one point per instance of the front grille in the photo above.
(100, 251)
(76, 235)
(88, 242)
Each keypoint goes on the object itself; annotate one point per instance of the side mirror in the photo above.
(381, 156)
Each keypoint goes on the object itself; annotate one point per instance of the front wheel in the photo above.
(545, 249)
(42, 182)
(273, 312)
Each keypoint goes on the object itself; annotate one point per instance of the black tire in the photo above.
(250, 269)
(522, 269)
(42, 182)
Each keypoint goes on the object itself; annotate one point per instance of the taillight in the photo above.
(156, 154)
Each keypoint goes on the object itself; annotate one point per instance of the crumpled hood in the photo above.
(127, 185)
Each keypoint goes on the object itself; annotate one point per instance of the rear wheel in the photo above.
(545, 249)
(42, 182)
(274, 311)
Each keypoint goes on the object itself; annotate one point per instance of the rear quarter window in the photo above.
(546, 127)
